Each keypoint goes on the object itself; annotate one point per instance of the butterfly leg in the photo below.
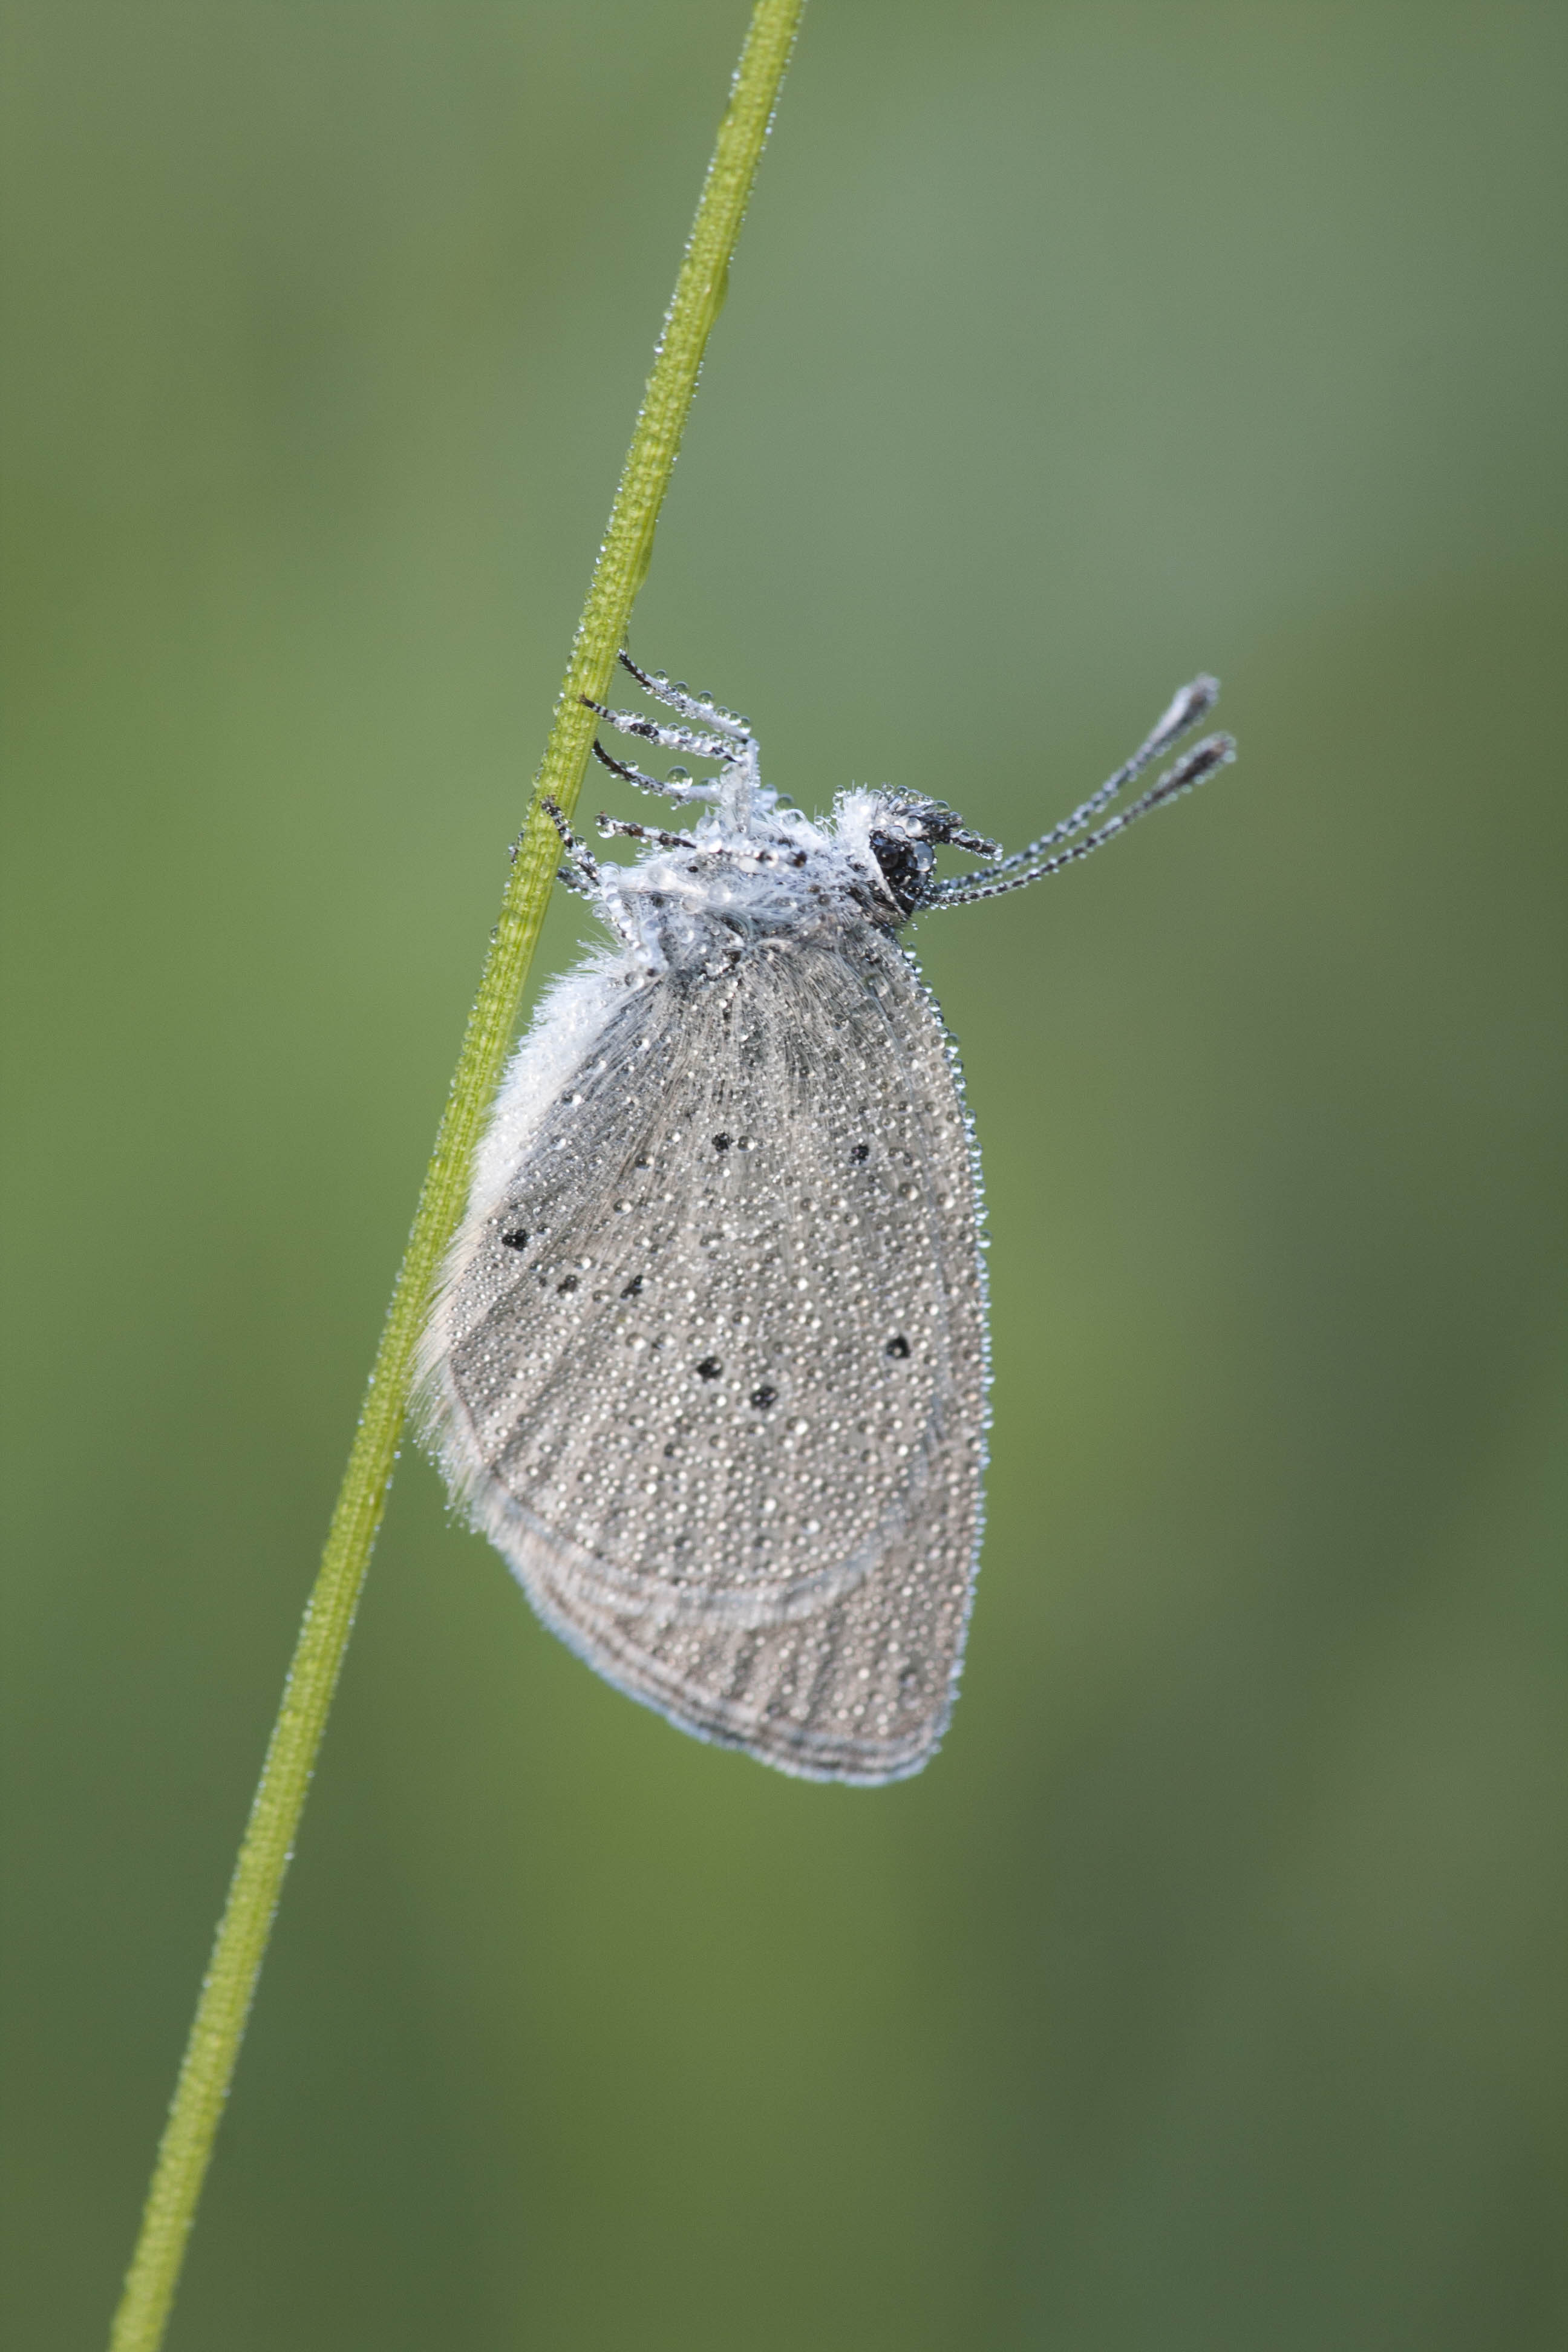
(701, 745)
(715, 733)
(676, 788)
(613, 827)
(699, 707)
(581, 871)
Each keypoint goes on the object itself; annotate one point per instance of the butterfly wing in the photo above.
(723, 1412)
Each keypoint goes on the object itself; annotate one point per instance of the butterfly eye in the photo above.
(904, 865)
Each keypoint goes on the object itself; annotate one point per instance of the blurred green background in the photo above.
(1205, 1995)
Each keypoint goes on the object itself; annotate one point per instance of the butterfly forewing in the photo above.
(723, 1408)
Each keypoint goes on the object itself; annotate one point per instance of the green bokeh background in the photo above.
(1205, 1995)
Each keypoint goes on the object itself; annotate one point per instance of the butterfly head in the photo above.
(903, 832)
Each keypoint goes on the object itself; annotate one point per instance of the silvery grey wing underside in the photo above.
(723, 1410)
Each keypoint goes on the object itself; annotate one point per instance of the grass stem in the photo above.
(229, 1986)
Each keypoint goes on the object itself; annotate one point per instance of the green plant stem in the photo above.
(229, 1986)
